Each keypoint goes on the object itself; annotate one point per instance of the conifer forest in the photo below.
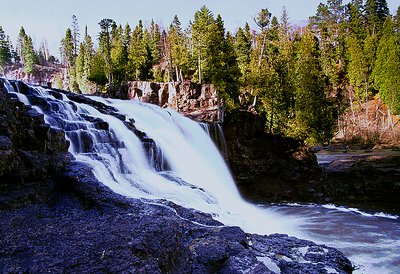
(339, 74)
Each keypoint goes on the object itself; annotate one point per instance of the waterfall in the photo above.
(176, 160)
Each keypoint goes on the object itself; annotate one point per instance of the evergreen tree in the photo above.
(75, 34)
(370, 48)
(357, 70)
(386, 73)
(178, 51)
(155, 43)
(355, 19)
(5, 54)
(139, 54)
(68, 57)
(29, 55)
(201, 30)
(84, 63)
(223, 70)
(20, 44)
(119, 55)
(98, 69)
(314, 117)
(67, 50)
(243, 49)
(328, 25)
(375, 12)
(105, 45)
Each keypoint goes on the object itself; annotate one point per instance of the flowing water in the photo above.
(180, 163)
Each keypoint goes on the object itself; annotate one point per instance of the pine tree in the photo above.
(178, 51)
(314, 117)
(155, 42)
(20, 44)
(75, 34)
(376, 12)
(68, 57)
(243, 48)
(98, 69)
(328, 25)
(357, 70)
(119, 55)
(29, 55)
(5, 54)
(355, 20)
(200, 38)
(105, 45)
(139, 54)
(386, 73)
(67, 49)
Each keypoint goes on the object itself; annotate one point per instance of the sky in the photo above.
(49, 19)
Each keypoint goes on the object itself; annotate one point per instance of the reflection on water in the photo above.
(370, 241)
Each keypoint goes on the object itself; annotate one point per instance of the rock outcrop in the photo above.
(191, 99)
(269, 167)
(366, 179)
(58, 218)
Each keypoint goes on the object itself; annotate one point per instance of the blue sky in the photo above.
(50, 18)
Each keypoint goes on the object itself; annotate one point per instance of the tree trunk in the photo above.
(199, 68)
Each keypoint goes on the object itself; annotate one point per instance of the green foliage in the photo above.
(98, 69)
(355, 20)
(328, 25)
(119, 56)
(105, 44)
(386, 73)
(67, 49)
(357, 70)
(139, 55)
(30, 58)
(376, 12)
(5, 54)
(179, 58)
(214, 51)
(295, 76)
(314, 118)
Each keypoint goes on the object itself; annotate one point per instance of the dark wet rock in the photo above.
(82, 226)
(29, 149)
(269, 167)
(366, 179)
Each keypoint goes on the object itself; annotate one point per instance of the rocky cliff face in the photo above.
(366, 179)
(30, 150)
(189, 98)
(58, 218)
(269, 167)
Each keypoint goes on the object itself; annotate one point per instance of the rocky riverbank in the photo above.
(270, 168)
(368, 179)
(56, 217)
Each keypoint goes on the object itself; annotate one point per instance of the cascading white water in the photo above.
(197, 176)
